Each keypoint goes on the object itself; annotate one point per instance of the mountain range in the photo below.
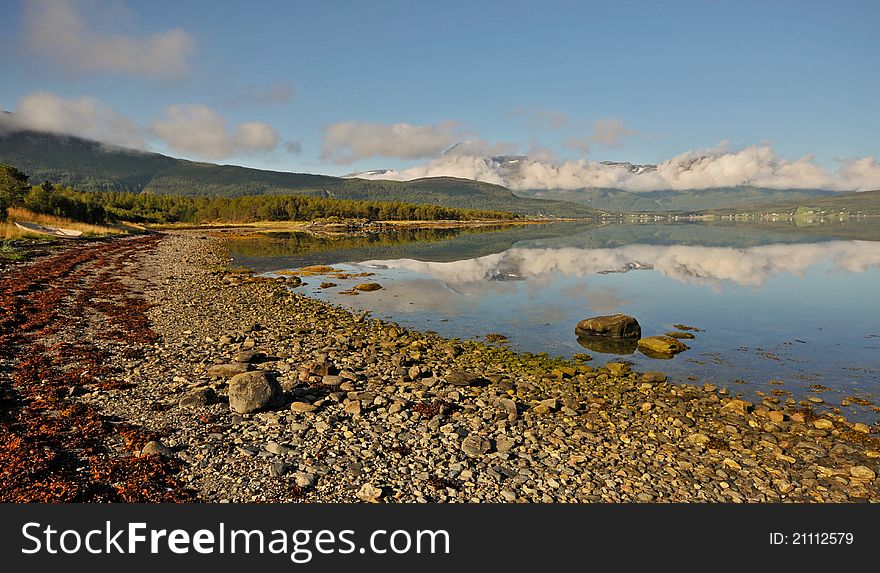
(91, 166)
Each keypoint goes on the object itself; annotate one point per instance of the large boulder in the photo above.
(610, 326)
(661, 346)
(254, 391)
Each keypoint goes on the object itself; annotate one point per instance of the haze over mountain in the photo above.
(88, 165)
(633, 192)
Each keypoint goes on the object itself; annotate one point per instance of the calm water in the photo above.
(780, 309)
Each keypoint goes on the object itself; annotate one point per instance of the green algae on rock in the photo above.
(664, 346)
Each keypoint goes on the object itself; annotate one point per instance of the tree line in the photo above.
(99, 208)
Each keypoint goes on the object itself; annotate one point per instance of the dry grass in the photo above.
(8, 230)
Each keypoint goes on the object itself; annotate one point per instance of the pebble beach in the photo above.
(242, 390)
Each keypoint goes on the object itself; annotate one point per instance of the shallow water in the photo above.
(781, 310)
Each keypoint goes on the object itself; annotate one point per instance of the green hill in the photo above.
(864, 203)
(90, 166)
(620, 201)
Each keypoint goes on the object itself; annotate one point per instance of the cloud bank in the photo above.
(350, 141)
(85, 117)
(58, 31)
(200, 131)
(192, 129)
(719, 166)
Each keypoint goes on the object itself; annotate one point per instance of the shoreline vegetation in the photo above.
(144, 369)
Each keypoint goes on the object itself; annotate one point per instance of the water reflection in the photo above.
(709, 266)
(776, 306)
(608, 345)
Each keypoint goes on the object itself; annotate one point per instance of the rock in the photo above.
(474, 445)
(228, 370)
(686, 327)
(367, 287)
(248, 356)
(331, 380)
(863, 428)
(775, 416)
(732, 464)
(318, 269)
(611, 326)
(304, 479)
(504, 443)
(678, 334)
(353, 408)
(277, 449)
(154, 448)
(226, 339)
(369, 493)
(618, 369)
(698, 439)
(328, 285)
(738, 407)
(862, 472)
(302, 407)
(545, 406)
(463, 378)
(661, 346)
(278, 469)
(248, 343)
(508, 495)
(254, 391)
(198, 398)
(798, 417)
(508, 405)
(653, 377)
(823, 424)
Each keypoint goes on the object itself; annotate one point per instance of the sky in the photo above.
(718, 93)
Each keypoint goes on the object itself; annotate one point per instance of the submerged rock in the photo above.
(678, 334)
(661, 346)
(611, 326)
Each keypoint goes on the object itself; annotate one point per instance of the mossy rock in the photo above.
(661, 345)
(368, 287)
(322, 269)
(681, 335)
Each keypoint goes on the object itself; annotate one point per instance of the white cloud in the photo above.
(59, 31)
(715, 167)
(611, 132)
(349, 141)
(200, 131)
(85, 117)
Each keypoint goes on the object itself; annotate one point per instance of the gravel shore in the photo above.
(365, 410)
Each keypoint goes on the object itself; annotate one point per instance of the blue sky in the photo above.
(660, 78)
